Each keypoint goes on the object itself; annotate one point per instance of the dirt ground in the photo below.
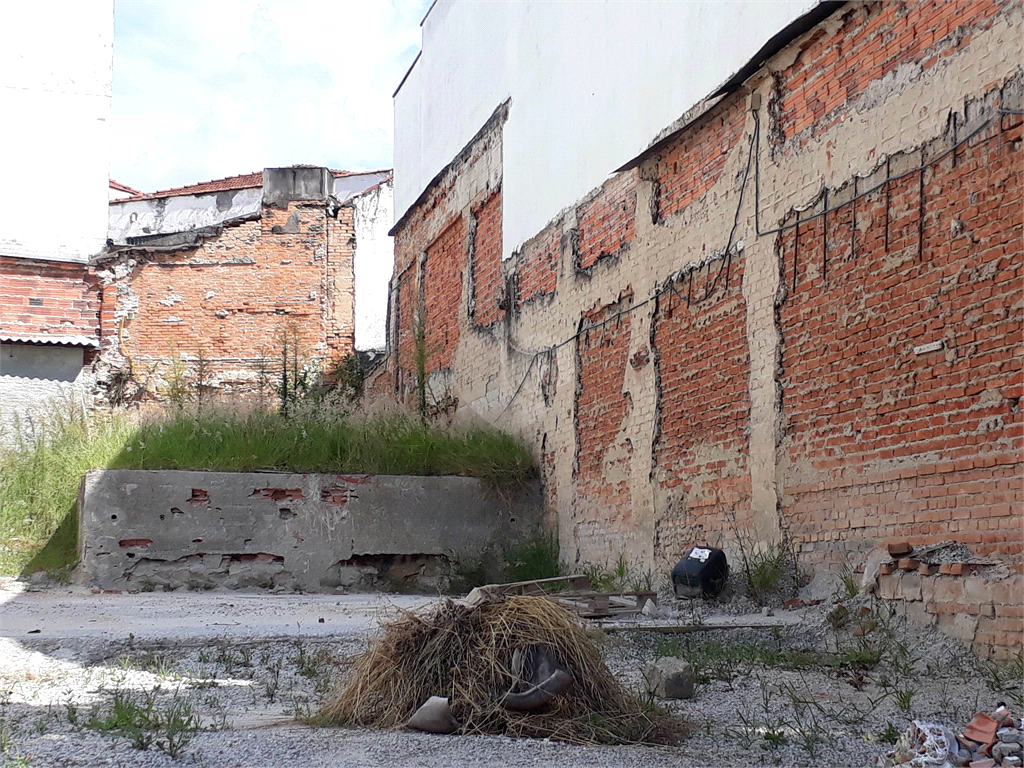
(227, 676)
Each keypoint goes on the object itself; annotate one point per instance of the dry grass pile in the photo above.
(466, 655)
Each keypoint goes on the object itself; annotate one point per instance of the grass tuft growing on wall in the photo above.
(42, 472)
(386, 445)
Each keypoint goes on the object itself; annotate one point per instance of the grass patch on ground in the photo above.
(712, 660)
(42, 472)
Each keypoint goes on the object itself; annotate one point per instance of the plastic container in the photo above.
(702, 573)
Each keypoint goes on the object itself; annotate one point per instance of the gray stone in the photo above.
(822, 586)
(1003, 749)
(1012, 737)
(670, 678)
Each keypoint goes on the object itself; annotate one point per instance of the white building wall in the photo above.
(374, 262)
(591, 84)
(55, 88)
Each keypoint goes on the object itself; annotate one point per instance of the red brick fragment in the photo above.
(900, 549)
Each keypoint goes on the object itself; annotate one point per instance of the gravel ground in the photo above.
(247, 665)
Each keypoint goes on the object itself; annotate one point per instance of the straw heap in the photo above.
(466, 655)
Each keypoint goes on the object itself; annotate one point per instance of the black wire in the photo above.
(753, 154)
(865, 193)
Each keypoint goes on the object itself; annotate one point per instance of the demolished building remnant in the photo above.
(795, 318)
(219, 279)
(207, 286)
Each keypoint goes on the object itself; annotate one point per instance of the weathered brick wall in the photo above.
(884, 439)
(443, 270)
(700, 452)
(606, 222)
(870, 50)
(774, 405)
(485, 264)
(983, 609)
(48, 298)
(236, 299)
(602, 502)
(693, 164)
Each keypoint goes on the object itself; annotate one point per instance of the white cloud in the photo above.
(205, 90)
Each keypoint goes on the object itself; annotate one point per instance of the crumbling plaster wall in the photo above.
(824, 120)
(233, 297)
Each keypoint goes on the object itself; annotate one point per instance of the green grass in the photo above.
(536, 559)
(39, 488)
(392, 445)
(714, 660)
(40, 479)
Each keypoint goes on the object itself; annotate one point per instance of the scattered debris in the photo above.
(435, 716)
(989, 740)
(579, 598)
(538, 678)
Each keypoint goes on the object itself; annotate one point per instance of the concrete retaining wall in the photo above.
(139, 529)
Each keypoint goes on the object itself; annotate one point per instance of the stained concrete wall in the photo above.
(142, 528)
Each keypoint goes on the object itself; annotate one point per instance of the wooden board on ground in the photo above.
(579, 598)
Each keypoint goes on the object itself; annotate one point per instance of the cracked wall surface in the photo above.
(142, 528)
(732, 398)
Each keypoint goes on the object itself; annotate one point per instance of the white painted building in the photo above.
(55, 87)
(591, 86)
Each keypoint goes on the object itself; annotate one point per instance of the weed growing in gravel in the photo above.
(622, 575)
(273, 681)
(143, 724)
(1006, 677)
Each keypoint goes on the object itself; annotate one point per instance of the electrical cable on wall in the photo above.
(753, 157)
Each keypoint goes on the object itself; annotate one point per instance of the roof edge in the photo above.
(499, 115)
(776, 43)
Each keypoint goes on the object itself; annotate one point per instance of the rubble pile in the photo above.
(990, 740)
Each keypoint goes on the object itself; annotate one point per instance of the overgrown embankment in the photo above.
(41, 474)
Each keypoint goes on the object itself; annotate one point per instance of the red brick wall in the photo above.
(442, 293)
(536, 268)
(875, 440)
(688, 167)
(606, 221)
(882, 442)
(875, 39)
(602, 499)
(487, 284)
(40, 298)
(236, 295)
(702, 368)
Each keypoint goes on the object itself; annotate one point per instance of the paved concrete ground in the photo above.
(75, 613)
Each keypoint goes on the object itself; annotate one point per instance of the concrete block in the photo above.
(144, 528)
(670, 678)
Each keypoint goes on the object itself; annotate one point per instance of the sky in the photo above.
(204, 90)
